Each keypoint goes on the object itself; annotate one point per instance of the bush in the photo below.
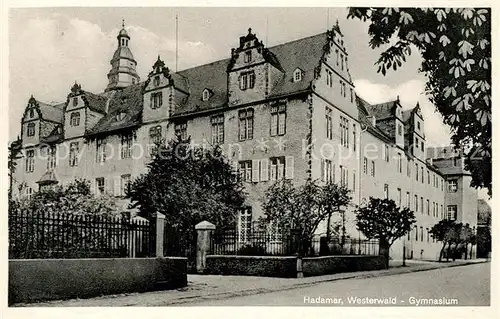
(250, 250)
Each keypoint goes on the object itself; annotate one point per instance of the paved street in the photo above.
(468, 285)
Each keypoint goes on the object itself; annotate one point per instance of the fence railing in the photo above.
(257, 243)
(347, 246)
(262, 243)
(57, 235)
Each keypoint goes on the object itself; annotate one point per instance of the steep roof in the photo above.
(303, 53)
(50, 112)
(383, 110)
(407, 115)
(364, 109)
(55, 136)
(95, 102)
(128, 101)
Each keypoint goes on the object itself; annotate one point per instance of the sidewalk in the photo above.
(206, 287)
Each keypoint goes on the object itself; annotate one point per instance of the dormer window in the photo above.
(297, 75)
(75, 119)
(31, 129)
(121, 116)
(156, 100)
(247, 80)
(205, 95)
(248, 56)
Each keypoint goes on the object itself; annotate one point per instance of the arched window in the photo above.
(32, 113)
(75, 119)
(297, 75)
(206, 95)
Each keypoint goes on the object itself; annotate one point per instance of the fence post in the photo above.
(204, 230)
(159, 220)
(300, 274)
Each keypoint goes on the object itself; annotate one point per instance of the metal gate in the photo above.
(180, 243)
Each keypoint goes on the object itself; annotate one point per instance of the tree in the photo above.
(382, 219)
(302, 208)
(442, 231)
(188, 184)
(455, 44)
(74, 198)
(332, 198)
(14, 150)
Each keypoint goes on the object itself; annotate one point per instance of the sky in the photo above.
(51, 48)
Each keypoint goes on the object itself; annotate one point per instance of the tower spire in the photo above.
(123, 65)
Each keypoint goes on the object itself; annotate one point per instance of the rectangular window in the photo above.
(416, 172)
(452, 186)
(247, 80)
(99, 185)
(278, 120)
(398, 200)
(329, 123)
(365, 165)
(344, 176)
(416, 203)
(428, 208)
(124, 182)
(386, 191)
(416, 233)
(217, 129)
(126, 147)
(154, 138)
(344, 131)
(422, 205)
(328, 171)
(408, 168)
(408, 199)
(244, 225)
(51, 157)
(373, 168)
(442, 212)
(180, 130)
(386, 153)
(73, 153)
(245, 171)
(156, 100)
(246, 124)
(329, 78)
(422, 145)
(354, 137)
(277, 169)
(421, 234)
(400, 130)
(101, 150)
(452, 212)
(354, 181)
(400, 163)
(30, 161)
(427, 232)
(75, 119)
(422, 174)
(248, 56)
(428, 177)
(31, 129)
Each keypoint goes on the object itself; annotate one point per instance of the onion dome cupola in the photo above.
(123, 65)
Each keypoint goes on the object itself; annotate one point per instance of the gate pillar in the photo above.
(205, 230)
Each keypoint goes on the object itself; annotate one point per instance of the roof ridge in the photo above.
(268, 48)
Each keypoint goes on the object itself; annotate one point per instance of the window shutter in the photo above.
(289, 167)
(255, 170)
(117, 186)
(323, 177)
(93, 186)
(264, 169)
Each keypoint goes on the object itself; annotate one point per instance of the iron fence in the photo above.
(347, 246)
(57, 235)
(264, 243)
(256, 243)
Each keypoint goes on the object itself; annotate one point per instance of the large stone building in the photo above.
(288, 111)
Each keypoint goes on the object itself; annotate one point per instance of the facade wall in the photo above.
(400, 182)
